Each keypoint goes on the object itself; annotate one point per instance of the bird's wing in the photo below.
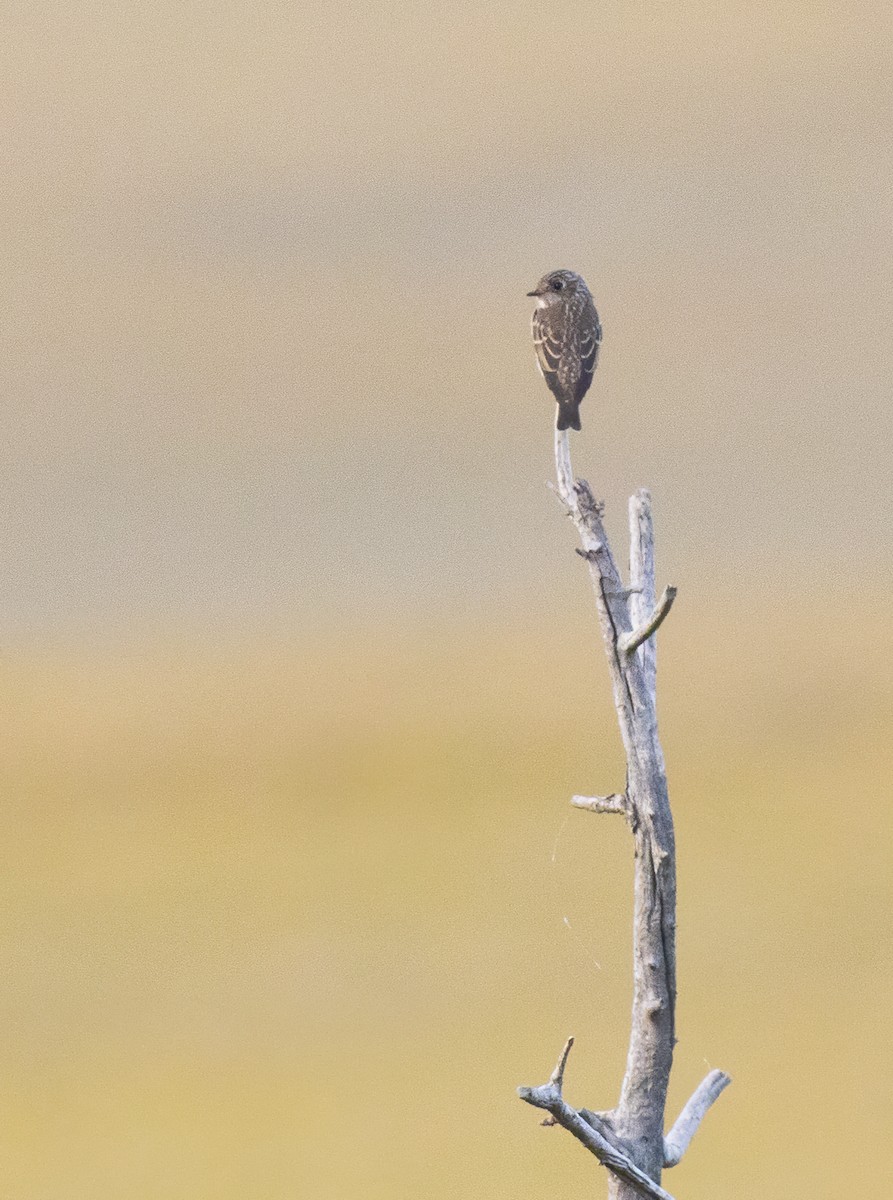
(548, 350)
(590, 340)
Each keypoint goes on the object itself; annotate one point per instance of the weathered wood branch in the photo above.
(677, 1140)
(615, 803)
(629, 617)
(585, 1130)
(632, 641)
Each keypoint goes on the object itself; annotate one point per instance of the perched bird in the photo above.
(567, 334)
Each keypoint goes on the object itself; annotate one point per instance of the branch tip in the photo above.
(557, 1077)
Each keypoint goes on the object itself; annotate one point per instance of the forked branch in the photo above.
(629, 1140)
(549, 1096)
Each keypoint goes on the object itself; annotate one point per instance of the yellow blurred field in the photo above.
(293, 917)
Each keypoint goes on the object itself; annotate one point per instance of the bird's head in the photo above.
(558, 285)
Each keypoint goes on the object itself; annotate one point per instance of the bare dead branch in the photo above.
(563, 471)
(603, 1123)
(553, 488)
(630, 1141)
(556, 1079)
(549, 1097)
(631, 641)
(615, 803)
(642, 576)
(705, 1094)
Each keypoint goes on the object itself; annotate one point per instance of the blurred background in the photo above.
(299, 668)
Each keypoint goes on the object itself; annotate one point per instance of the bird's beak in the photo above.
(535, 292)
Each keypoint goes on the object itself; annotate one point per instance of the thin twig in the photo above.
(556, 1079)
(629, 642)
(615, 803)
(677, 1140)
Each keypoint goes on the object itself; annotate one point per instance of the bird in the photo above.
(566, 335)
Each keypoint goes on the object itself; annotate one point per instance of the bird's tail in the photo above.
(569, 416)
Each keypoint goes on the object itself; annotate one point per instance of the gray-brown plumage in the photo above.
(566, 334)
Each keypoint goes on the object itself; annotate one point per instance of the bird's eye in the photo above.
(557, 284)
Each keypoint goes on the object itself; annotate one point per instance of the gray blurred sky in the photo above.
(266, 348)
